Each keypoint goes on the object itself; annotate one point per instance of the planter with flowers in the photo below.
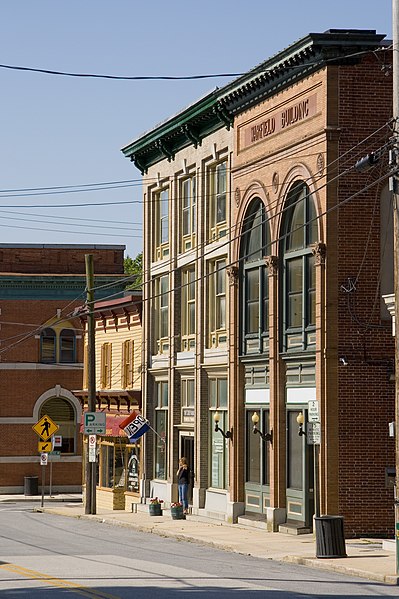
(176, 510)
(155, 507)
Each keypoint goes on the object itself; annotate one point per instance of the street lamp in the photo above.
(264, 436)
(300, 420)
(227, 434)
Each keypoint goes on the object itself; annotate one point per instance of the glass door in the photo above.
(300, 495)
(257, 479)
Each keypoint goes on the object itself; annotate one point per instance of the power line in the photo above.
(239, 235)
(258, 69)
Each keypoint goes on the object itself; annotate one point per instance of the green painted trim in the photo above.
(14, 287)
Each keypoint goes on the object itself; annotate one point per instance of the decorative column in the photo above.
(327, 481)
(236, 504)
(276, 513)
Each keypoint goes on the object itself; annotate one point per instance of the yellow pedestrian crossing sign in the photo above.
(45, 446)
(45, 428)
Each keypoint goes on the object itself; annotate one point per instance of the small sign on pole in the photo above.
(313, 411)
(92, 448)
(313, 433)
(94, 423)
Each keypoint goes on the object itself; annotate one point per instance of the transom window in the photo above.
(300, 230)
(255, 286)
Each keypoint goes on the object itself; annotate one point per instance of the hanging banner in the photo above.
(135, 426)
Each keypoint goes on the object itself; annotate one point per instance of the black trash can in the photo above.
(31, 485)
(330, 538)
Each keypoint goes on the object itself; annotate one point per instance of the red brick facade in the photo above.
(39, 285)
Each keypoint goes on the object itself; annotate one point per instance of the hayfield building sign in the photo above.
(277, 121)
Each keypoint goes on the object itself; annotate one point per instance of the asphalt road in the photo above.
(47, 556)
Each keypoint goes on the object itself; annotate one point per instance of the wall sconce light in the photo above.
(227, 434)
(264, 436)
(300, 420)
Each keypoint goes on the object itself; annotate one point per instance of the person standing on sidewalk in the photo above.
(183, 475)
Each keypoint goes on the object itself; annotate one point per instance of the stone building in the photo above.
(266, 255)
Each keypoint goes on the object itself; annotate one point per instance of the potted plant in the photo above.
(155, 507)
(176, 510)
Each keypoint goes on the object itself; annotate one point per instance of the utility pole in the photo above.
(90, 498)
(395, 198)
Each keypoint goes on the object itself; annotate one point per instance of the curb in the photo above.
(320, 565)
(301, 561)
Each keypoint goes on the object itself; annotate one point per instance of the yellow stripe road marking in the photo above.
(58, 582)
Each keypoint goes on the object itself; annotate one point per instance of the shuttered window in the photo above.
(127, 363)
(48, 346)
(106, 365)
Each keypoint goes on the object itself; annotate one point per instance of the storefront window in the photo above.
(219, 445)
(107, 466)
(133, 468)
(161, 427)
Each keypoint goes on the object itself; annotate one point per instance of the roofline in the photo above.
(63, 246)
(189, 126)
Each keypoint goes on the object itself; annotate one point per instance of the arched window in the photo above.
(300, 231)
(62, 412)
(255, 294)
(48, 352)
(67, 346)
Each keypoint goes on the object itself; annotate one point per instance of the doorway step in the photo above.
(253, 521)
(291, 527)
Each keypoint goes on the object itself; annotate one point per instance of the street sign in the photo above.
(54, 455)
(57, 441)
(45, 428)
(92, 454)
(43, 459)
(44, 446)
(94, 423)
(313, 433)
(92, 440)
(313, 411)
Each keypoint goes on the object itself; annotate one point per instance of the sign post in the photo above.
(45, 428)
(313, 437)
(43, 463)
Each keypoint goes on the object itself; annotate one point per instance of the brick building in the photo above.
(270, 304)
(41, 353)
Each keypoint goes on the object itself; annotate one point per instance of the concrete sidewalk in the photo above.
(366, 558)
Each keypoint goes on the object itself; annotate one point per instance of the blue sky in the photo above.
(65, 131)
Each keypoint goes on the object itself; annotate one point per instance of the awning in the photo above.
(130, 398)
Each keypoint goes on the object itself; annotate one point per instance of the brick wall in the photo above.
(365, 393)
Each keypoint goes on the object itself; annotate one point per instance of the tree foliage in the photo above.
(134, 267)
